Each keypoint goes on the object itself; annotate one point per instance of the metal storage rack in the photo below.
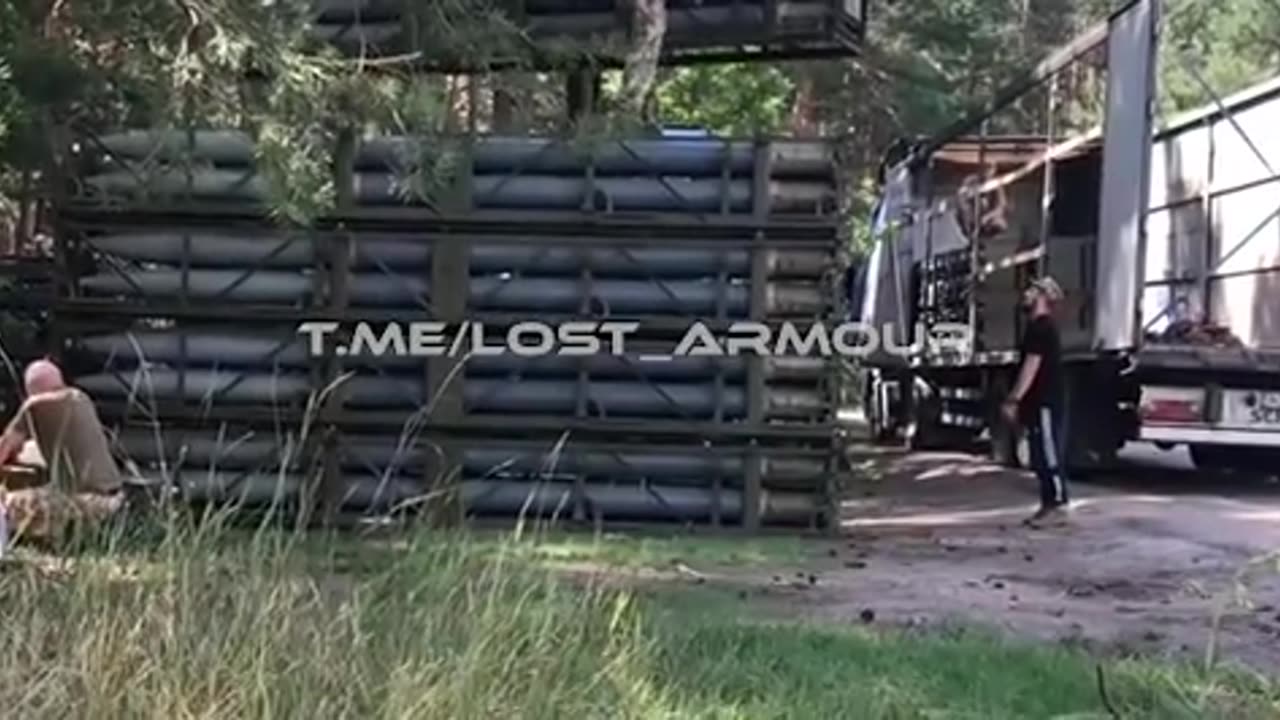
(179, 300)
(552, 35)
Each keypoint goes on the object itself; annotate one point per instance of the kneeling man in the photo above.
(56, 434)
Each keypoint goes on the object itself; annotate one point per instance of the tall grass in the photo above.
(200, 621)
(200, 625)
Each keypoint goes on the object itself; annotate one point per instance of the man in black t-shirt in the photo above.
(1037, 401)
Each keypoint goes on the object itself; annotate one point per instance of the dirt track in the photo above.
(1144, 562)
(1139, 568)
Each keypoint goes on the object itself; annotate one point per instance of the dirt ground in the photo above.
(1147, 558)
(1144, 563)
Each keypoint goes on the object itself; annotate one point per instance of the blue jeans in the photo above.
(1046, 441)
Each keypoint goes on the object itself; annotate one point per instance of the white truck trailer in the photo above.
(1166, 240)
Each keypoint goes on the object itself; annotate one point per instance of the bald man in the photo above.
(41, 377)
(58, 429)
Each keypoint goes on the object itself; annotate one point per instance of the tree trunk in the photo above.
(804, 120)
(473, 103)
(582, 93)
(504, 107)
(648, 27)
(25, 228)
(455, 118)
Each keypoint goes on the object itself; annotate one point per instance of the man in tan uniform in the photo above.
(57, 436)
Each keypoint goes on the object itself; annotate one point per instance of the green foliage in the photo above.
(11, 105)
(1216, 49)
(75, 67)
(203, 622)
(737, 100)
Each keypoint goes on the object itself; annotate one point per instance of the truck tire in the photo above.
(879, 429)
(1208, 457)
(1005, 436)
(927, 433)
(1004, 443)
(1218, 458)
(1093, 429)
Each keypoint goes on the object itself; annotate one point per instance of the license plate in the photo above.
(1253, 408)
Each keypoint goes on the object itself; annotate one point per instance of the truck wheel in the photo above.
(924, 436)
(928, 433)
(1093, 429)
(876, 428)
(1004, 443)
(1005, 436)
(879, 429)
(1230, 457)
(1202, 456)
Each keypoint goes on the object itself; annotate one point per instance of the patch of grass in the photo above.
(202, 623)
(757, 669)
(199, 627)
(634, 550)
(557, 548)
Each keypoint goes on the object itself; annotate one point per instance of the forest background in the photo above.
(68, 68)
